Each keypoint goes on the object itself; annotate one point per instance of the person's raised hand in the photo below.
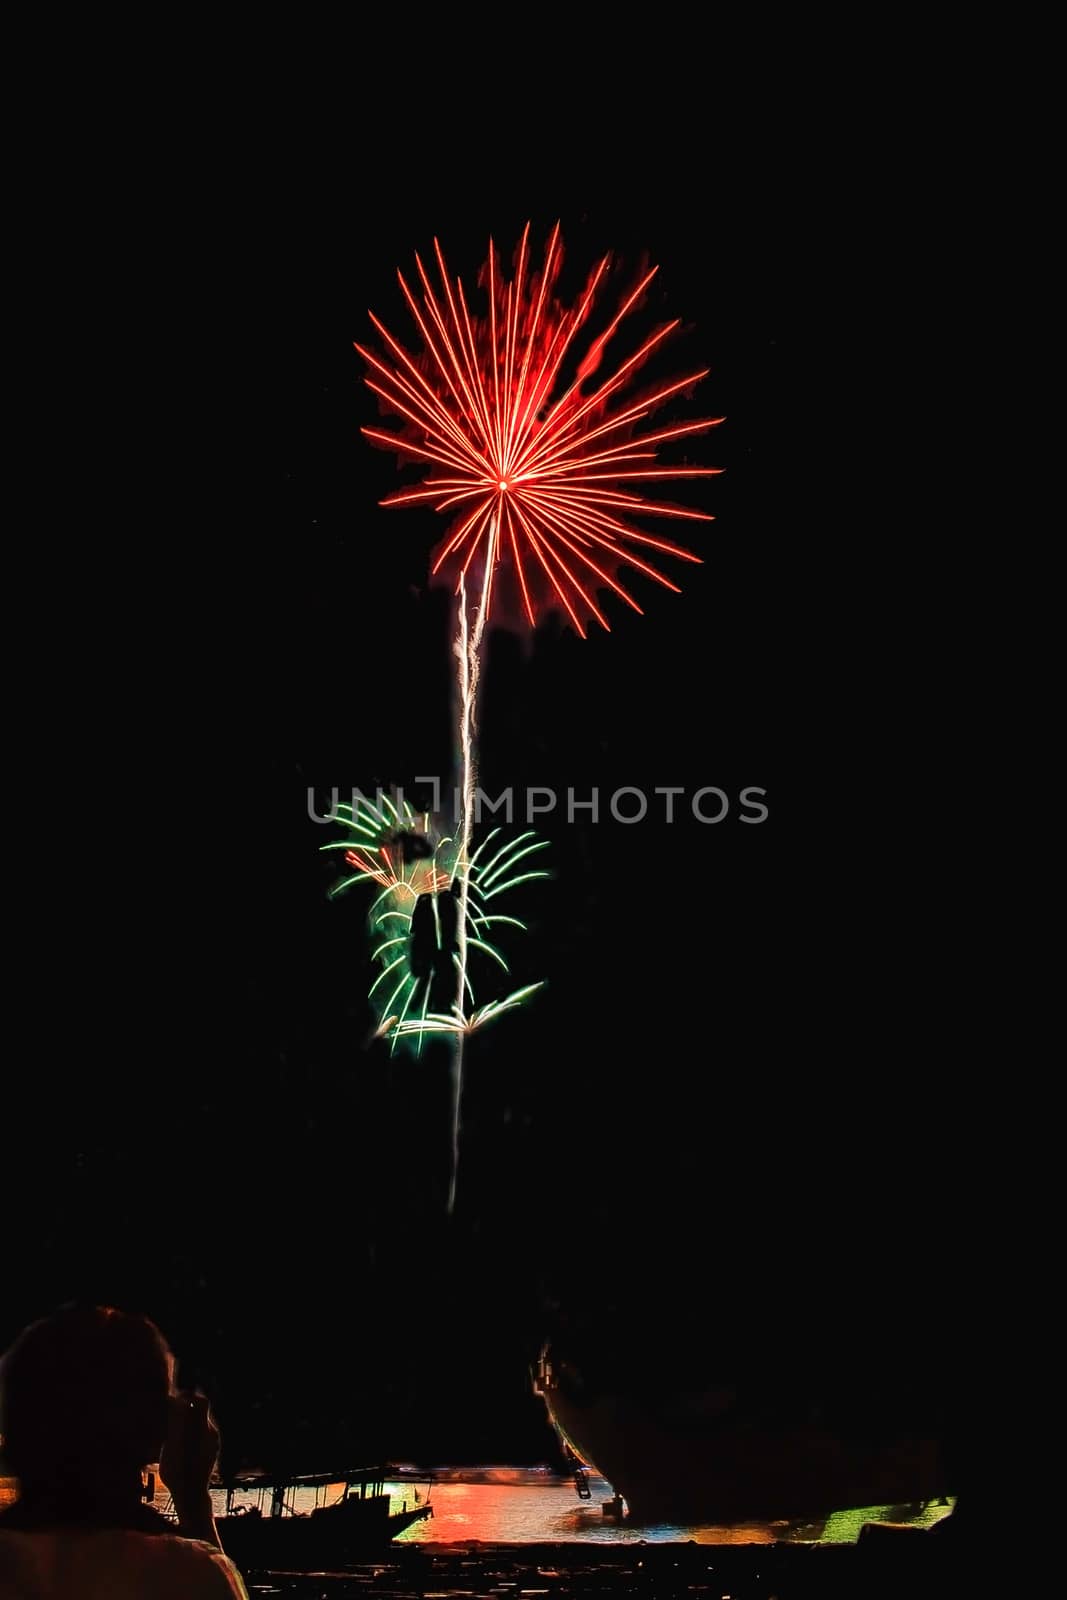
(190, 1452)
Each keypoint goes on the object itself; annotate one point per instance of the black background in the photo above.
(739, 1087)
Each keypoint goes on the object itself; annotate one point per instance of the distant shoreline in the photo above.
(498, 1477)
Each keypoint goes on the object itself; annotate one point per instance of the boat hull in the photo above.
(309, 1541)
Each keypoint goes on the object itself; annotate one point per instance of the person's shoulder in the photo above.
(118, 1562)
(214, 1575)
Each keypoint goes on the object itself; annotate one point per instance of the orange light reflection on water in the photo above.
(512, 1510)
(499, 1513)
(521, 1512)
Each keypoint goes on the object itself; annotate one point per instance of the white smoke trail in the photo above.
(467, 649)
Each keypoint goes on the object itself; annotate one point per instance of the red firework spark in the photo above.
(539, 480)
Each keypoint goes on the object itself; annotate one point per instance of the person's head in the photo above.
(84, 1396)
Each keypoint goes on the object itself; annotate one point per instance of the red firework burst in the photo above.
(537, 475)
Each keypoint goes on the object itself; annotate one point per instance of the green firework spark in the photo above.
(414, 867)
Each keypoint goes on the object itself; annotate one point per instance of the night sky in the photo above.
(738, 1089)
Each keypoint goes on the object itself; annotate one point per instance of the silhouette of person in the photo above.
(86, 1403)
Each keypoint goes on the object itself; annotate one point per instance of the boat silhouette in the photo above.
(261, 1527)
